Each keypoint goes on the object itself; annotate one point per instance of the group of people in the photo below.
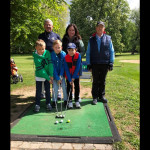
(59, 62)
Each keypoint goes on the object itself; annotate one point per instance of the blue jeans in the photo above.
(56, 87)
(39, 89)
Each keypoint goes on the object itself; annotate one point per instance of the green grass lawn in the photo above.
(122, 91)
(26, 68)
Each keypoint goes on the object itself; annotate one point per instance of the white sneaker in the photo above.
(70, 105)
(79, 99)
(77, 105)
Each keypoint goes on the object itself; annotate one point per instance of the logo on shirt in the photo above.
(70, 44)
(53, 38)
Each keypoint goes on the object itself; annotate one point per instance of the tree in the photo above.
(131, 33)
(135, 41)
(113, 12)
(27, 18)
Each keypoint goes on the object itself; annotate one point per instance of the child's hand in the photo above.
(61, 77)
(72, 80)
(59, 82)
(89, 67)
(51, 80)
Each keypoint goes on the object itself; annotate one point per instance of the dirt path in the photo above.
(22, 98)
(131, 61)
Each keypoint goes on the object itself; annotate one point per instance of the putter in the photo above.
(61, 115)
(58, 115)
(55, 103)
(67, 102)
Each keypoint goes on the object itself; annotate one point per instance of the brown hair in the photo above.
(40, 42)
(76, 31)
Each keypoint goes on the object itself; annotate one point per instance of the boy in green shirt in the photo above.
(43, 72)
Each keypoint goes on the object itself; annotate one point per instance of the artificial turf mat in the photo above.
(89, 121)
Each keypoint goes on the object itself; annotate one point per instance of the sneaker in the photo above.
(94, 102)
(43, 96)
(70, 105)
(103, 100)
(77, 105)
(49, 107)
(37, 108)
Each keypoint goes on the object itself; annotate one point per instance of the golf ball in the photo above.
(56, 122)
(61, 121)
(68, 121)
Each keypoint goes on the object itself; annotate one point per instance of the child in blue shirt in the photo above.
(58, 74)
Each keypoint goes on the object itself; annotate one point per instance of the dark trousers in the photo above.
(76, 89)
(39, 90)
(99, 72)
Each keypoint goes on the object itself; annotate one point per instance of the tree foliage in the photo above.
(27, 21)
(115, 14)
(134, 29)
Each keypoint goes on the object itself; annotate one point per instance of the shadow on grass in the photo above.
(25, 106)
(18, 104)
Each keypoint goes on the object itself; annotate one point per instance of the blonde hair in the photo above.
(57, 42)
(40, 42)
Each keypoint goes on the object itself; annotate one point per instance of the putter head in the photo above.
(57, 116)
(60, 116)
